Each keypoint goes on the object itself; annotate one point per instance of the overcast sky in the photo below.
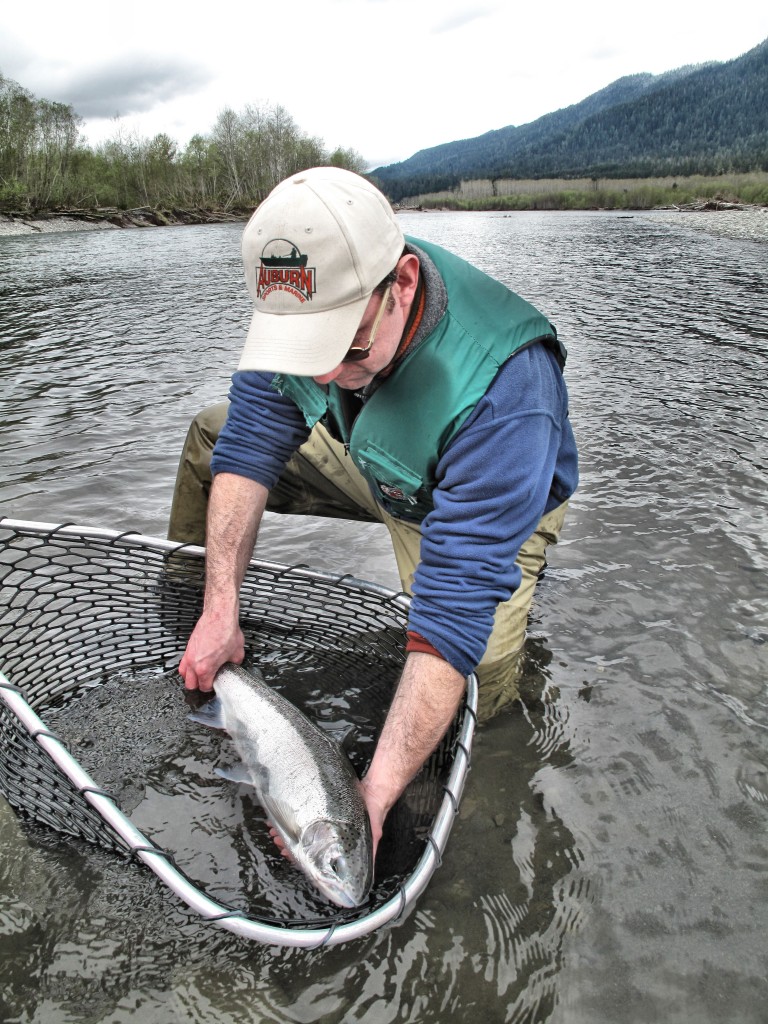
(385, 77)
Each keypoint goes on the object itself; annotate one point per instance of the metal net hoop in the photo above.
(79, 603)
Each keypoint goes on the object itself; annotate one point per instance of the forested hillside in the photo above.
(707, 119)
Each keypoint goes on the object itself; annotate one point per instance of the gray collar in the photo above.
(436, 297)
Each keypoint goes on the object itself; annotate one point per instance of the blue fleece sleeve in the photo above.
(512, 461)
(263, 429)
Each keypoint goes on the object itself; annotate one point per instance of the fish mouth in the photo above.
(348, 893)
(342, 897)
(354, 895)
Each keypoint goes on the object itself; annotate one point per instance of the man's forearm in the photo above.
(425, 704)
(234, 513)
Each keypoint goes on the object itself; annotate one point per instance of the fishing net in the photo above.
(92, 626)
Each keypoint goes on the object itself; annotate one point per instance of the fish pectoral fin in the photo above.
(211, 714)
(283, 817)
(237, 773)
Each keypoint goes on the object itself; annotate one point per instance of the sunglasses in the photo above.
(358, 352)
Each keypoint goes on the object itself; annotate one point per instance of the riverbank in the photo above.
(747, 223)
(112, 219)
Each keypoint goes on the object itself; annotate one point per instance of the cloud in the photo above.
(130, 85)
(462, 18)
(603, 51)
(15, 57)
(127, 83)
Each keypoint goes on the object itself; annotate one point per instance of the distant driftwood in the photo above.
(709, 205)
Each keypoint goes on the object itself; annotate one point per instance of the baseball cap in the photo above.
(314, 251)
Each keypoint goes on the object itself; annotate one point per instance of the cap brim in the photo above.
(306, 344)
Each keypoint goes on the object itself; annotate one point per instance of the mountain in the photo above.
(702, 119)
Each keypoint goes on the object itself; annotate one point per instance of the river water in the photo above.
(610, 862)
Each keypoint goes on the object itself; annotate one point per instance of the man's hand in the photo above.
(214, 641)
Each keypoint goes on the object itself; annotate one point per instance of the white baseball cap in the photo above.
(314, 251)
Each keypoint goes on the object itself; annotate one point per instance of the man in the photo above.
(384, 379)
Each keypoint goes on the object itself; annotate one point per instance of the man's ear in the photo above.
(404, 288)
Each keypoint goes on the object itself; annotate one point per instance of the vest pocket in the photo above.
(382, 468)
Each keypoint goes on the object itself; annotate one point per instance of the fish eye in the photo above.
(339, 865)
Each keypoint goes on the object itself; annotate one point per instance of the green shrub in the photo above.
(14, 195)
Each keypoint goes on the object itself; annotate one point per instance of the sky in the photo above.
(384, 77)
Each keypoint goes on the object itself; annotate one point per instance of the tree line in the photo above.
(46, 164)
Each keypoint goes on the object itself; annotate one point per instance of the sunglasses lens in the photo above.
(356, 355)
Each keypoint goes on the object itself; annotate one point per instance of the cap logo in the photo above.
(283, 268)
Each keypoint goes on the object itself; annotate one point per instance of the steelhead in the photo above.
(303, 780)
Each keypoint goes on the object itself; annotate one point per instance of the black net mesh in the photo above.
(78, 606)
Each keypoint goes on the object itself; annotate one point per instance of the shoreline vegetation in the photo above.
(49, 172)
(697, 192)
(733, 205)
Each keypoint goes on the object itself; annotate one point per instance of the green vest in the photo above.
(403, 429)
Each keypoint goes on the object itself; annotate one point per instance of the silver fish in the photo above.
(303, 780)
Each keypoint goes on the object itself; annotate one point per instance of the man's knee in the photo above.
(206, 427)
(202, 435)
(189, 505)
(511, 620)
